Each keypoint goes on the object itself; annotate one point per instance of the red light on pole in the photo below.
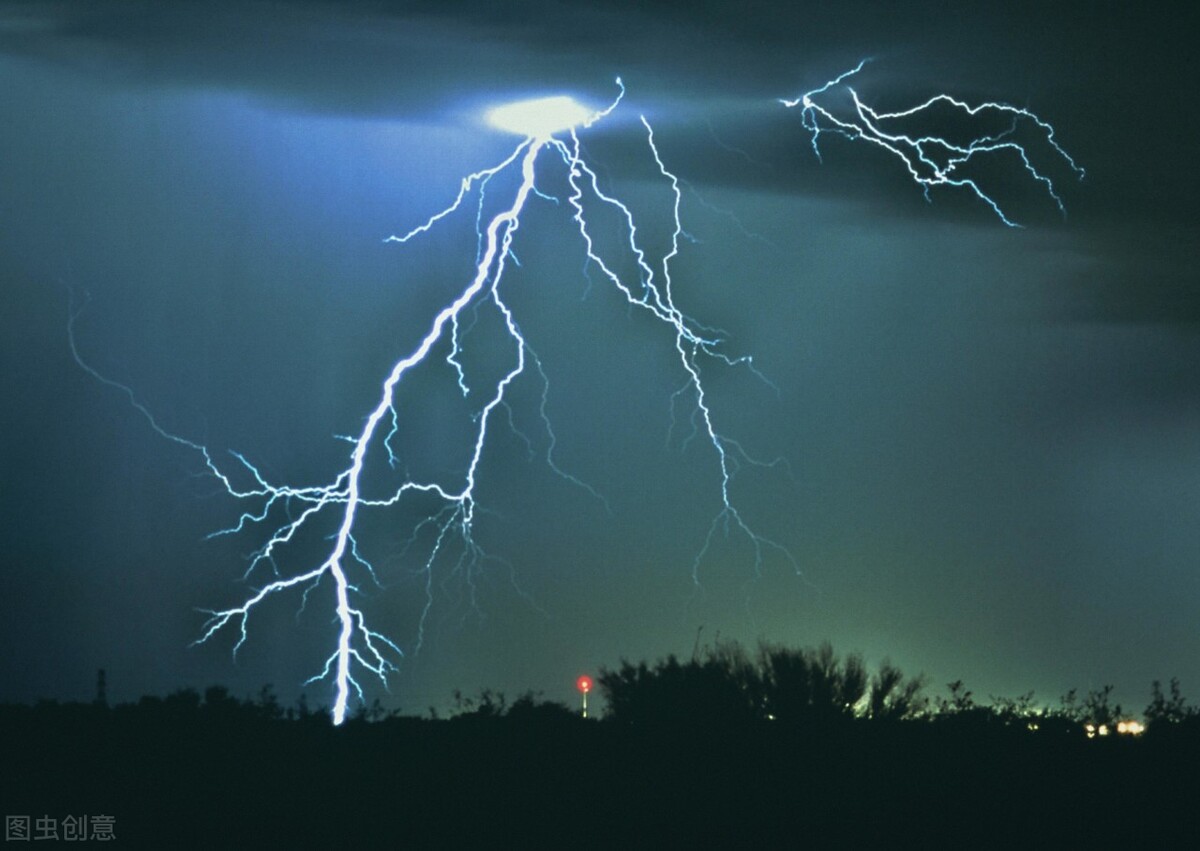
(584, 684)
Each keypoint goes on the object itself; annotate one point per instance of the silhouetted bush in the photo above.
(722, 687)
(1169, 714)
(803, 686)
(530, 709)
(893, 697)
(785, 685)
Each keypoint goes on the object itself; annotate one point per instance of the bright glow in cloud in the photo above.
(540, 118)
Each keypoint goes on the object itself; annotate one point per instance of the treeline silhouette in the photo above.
(779, 747)
(725, 686)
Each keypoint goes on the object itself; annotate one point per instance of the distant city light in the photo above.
(1123, 728)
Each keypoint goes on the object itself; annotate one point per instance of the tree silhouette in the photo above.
(720, 687)
(782, 684)
(894, 698)
(1170, 711)
(801, 686)
(1098, 708)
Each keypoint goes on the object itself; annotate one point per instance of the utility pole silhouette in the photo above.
(101, 689)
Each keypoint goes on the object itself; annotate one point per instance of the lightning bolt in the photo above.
(930, 160)
(341, 502)
(933, 160)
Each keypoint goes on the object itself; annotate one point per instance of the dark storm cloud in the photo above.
(729, 62)
(389, 58)
(367, 58)
(715, 69)
(1142, 284)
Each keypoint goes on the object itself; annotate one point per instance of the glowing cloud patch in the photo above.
(540, 118)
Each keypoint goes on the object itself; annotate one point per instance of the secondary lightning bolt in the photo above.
(547, 125)
(931, 160)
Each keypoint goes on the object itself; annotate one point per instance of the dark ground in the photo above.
(183, 777)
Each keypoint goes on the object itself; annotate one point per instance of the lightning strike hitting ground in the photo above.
(550, 126)
(932, 160)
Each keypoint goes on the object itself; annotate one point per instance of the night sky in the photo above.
(992, 435)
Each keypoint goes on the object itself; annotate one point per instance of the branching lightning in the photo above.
(550, 126)
(932, 160)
